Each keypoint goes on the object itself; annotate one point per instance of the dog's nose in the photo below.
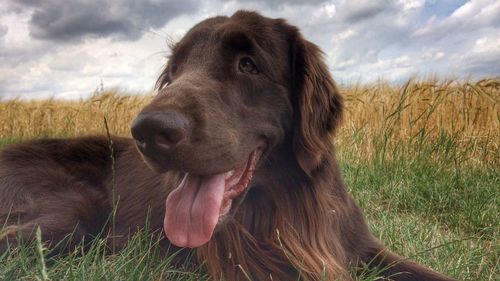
(159, 131)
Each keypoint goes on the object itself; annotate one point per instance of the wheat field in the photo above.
(422, 159)
(416, 112)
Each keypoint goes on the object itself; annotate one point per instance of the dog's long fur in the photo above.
(297, 219)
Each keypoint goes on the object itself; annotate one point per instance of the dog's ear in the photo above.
(317, 103)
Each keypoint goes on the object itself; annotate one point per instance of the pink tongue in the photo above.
(192, 210)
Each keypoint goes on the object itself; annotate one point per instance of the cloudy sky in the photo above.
(65, 48)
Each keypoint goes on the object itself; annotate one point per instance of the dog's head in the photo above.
(234, 89)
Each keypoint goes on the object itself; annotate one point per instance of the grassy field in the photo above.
(422, 159)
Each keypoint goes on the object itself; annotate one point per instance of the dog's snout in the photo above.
(159, 131)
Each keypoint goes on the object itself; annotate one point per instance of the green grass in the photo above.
(140, 261)
(6, 141)
(444, 217)
(430, 201)
(420, 200)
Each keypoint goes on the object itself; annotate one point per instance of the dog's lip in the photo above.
(238, 180)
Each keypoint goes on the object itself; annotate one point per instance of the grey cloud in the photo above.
(124, 19)
(354, 11)
(486, 62)
(379, 37)
(3, 30)
(482, 66)
(372, 31)
(278, 3)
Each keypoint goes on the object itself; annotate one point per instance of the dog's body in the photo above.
(239, 137)
(67, 187)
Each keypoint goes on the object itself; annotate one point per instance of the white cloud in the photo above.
(364, 40)
(469, 17)
(484, 56)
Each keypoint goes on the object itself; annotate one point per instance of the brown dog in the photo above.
(239, 137)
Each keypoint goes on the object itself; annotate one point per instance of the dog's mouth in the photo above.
(199, 203)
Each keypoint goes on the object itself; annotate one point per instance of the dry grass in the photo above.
(42, 118)
(378, 115)
(464, 114)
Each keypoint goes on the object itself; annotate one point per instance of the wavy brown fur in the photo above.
(278, 233)
(302, 222)
(290, 225)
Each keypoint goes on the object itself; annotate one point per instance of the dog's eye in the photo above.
(173, 68)
(248, 66)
